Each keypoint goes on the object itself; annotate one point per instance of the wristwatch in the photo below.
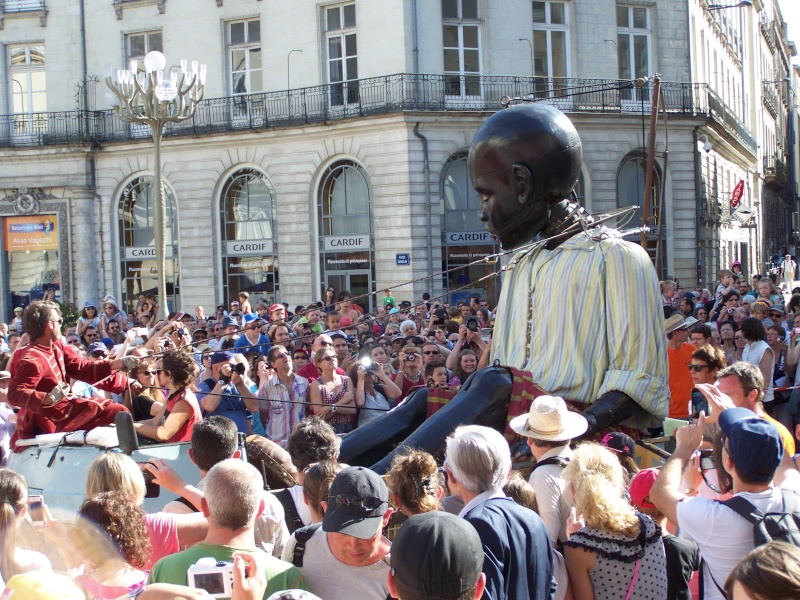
(333, 408)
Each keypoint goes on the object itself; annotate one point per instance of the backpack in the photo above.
(783, 526)
(292, 519)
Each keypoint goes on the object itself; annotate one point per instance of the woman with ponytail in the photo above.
(614, 552)
(13, 508)
(414, 483)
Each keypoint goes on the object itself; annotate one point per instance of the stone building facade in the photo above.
(330, 149)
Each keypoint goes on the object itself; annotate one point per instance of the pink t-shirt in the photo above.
(163, 530)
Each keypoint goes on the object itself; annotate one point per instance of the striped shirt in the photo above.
(285, 409)
(585, 318)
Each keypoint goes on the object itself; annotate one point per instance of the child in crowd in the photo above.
(726, 282)
(436, 374)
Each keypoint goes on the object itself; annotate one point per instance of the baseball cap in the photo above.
(5, 375)
(221, 356)
(620, 443)
(235, 303)
(357, 501)
(108, 342)
(251, 318)
(437, 554)
(754, 444)
(394, 311)
(641, 484)
(96, 347)
(18, 309)
(275, 307)
(293, 595)
(89, 304)
(228, 321)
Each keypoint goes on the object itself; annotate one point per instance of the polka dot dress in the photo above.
(616, 561)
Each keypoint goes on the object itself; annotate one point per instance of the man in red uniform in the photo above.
(40, 380)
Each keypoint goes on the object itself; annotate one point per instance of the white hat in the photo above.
(550, 420)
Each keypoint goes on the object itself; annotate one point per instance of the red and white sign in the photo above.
(738, 192)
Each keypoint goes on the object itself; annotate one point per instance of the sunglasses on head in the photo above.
(367, 504)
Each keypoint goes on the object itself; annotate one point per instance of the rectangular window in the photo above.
(461, 32)
(342, 49)
(550, 44)
(137, 45)
(633, 46)
(244, 56)
(28, 88)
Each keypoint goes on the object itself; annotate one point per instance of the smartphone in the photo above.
(797, 330)
(36, 509)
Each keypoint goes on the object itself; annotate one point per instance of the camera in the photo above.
(707, 460)
(369, 365)
(472, 323)
(441, 314)
(36, 508)
(729, 311)
(181, 332)
(239, 368)
(213, 576)
(417, 341)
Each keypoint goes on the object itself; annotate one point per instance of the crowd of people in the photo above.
(582, 522)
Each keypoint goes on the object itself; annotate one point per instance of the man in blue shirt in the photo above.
(225, 393)
(252, 340)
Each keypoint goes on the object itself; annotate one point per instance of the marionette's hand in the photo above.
(130, 362)
(57, 394)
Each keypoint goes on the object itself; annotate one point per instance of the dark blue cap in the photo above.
(221, 356)
(754, 444)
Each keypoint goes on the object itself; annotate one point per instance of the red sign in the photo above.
(738, 191)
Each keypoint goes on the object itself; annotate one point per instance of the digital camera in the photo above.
(707, 460)
(472, 323)
(212, 575)
(369, 365)
(239, 368)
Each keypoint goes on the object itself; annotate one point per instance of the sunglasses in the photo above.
(99, 354)
(697, 368)
(59, 321)
(328, 358)
(282, 355)
(300, 357)
(148, 372)
(91, 335)
(367, 504)
(738, 338)
(430, 352)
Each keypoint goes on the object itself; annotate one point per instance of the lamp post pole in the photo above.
(531, 48)
(154, 100)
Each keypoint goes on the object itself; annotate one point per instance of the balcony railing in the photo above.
(14, 6)
(775, 170)
(374, 96)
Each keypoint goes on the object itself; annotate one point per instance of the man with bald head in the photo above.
(310, 371)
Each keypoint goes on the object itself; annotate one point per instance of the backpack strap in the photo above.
(561, 461)
(293, 521)
(301, 536)
(745, 509)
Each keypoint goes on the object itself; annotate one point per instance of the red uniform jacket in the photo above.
(36, 370)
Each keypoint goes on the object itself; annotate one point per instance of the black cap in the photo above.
(357, 501)
(437, 554)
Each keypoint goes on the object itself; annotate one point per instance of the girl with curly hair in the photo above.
(618, 553)
(111, 535)
(414, 483)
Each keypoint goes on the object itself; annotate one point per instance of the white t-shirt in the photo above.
(300, 504)
(723, 536)
(333, 580)
(753, 353)
(549, 488)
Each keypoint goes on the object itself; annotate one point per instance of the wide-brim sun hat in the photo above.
(550, 420)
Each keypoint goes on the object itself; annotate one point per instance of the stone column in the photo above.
(85, 250)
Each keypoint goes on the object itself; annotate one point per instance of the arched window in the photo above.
(137, 241)
(630, 192)
(464, 236)
(344, 209)
(248, 224)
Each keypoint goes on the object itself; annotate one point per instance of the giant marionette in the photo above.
(579, 313)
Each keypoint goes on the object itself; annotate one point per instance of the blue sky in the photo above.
(791, 14)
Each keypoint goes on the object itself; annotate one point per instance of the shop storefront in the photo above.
(138, 264)
(249, 250)
(347, 251)
(464, 239)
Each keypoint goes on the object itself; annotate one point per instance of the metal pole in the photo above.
(531, 47)
(651, 149)
(159, 225)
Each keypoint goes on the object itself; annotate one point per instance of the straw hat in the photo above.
(678, 321)
(550, 420)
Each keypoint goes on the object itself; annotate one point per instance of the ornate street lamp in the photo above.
(154, 100)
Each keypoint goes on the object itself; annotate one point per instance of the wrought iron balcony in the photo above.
(15, 6)
(775, 173)
(375, 96)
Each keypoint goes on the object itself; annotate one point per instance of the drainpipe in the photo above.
(84, 68)
(416, 36)
(427, 175)
(698, 195)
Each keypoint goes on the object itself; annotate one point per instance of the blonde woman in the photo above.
(414, 483)
(618, 554)
(13, 508)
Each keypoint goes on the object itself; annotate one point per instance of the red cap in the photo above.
(275, 307)
(641, 484)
